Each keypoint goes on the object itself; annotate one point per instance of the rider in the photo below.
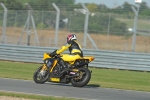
(74, 49)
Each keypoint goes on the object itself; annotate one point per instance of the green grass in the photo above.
(17, 70)
(142, 24)
(121, 79)
(108, 78)
(34, 97)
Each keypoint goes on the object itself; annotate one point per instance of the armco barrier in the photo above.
(103, 58)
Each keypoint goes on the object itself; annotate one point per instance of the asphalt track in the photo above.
(67, 90)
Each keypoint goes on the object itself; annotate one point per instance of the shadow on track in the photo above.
(93, 85)
(69, 85)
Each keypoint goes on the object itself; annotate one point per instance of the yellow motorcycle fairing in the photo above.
(86, 58)
(46, 55)
(90, 58)
(70, 58)
(54, 79)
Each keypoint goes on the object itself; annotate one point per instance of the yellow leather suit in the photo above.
(75, 51)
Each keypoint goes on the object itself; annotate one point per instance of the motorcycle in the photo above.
(78, 74)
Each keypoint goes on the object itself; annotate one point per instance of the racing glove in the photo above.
(53, 53)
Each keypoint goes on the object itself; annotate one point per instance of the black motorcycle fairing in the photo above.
(79, 64)
(49, 62)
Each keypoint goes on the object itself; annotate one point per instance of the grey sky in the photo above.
(111, 3)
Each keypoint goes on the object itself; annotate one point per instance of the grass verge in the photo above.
(121, 79)
(20, 96)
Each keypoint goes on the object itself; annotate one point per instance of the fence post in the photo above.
(56, 23)
(86, 28)
(108, 30)
(27, 26)
(4, 23)
(135, 25)
(85, 24)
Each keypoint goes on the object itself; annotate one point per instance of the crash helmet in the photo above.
(71, 37)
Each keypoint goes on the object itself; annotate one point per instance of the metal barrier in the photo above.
(103, 58)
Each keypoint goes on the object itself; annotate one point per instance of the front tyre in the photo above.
(83, 78)
(40, 78)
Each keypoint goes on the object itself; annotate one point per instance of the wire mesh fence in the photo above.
(104, 28)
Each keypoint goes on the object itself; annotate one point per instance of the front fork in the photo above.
(43, 70)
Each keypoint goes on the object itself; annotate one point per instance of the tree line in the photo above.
(125, 8)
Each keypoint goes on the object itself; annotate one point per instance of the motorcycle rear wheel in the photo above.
(83, 78)
(39, 79)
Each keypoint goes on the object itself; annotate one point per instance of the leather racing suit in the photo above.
(74, 49)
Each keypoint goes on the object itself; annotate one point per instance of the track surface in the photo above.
(55, 89)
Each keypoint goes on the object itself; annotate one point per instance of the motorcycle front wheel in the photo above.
(83, 78)
(38, 77)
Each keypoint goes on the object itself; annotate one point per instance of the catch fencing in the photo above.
(37, 27)
(103, 58)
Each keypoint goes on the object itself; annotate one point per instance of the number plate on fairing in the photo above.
(55, 79)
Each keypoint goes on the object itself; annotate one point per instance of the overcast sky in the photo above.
(111, 3)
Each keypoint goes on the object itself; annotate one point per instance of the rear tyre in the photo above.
(83, 78)
(38, 78)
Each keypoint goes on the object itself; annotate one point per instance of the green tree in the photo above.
(92, 7)
(77, 22)
(98, 24)
(15, 5)
(144, 9)
(126, 8)
(103, 8)
(143, 6)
